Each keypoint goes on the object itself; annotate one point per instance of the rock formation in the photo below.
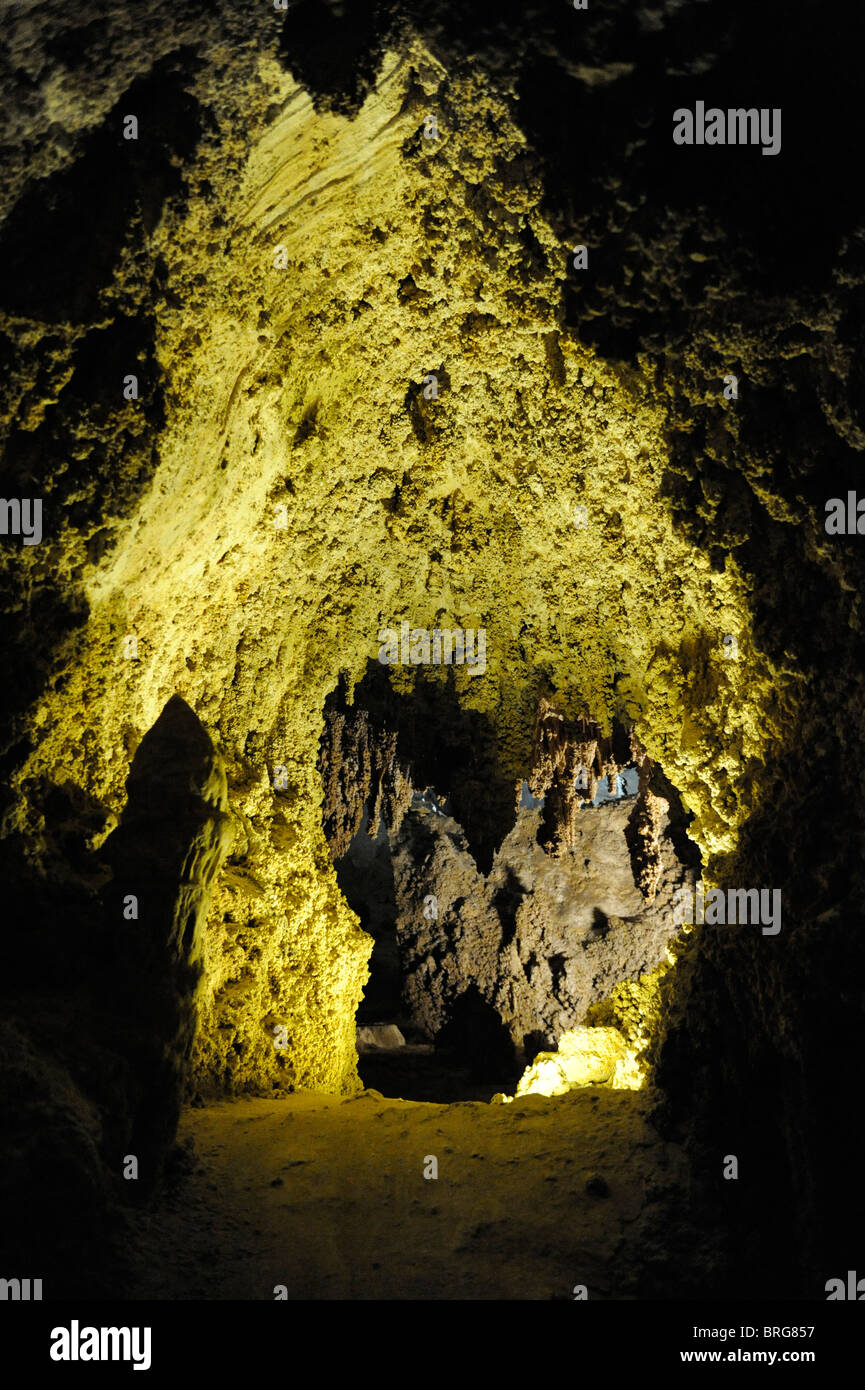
(536, 942)
(359, 769)
(164, 857)
(568, 757)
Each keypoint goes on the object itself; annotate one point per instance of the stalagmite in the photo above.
(167, 850)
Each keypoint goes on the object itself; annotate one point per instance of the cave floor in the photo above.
(327, 1196)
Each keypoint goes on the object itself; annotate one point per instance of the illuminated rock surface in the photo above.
(287, 389)
(584, 1057)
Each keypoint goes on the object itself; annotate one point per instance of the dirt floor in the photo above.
(327, 1196)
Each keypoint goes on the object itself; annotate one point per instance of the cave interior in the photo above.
(301, 944)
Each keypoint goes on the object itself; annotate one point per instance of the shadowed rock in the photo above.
(164, 855)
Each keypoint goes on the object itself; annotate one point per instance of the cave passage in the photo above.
(478, 967)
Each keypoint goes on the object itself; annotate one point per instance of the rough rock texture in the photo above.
(492, 1007)
(568, 758)
(308, 273)
(584, 1057)
(282, 258)
(366, 879)
(525, 951)
(531, 1198)
(645, 826)
(361, 775)
(164, 857)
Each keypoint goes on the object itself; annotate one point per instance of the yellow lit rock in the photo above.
(584, 1057)
(307, 494)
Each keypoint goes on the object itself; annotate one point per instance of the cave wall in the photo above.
(301, 388)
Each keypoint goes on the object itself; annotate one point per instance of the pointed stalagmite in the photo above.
(166, 852)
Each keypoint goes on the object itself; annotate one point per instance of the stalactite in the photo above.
(568, 759)
(359, 766)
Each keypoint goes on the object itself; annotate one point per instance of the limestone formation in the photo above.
(276, 506)
(531, 947)
(645, 826)
(359, 771)
(164, 857)
(568, 758)
(584, 1057)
